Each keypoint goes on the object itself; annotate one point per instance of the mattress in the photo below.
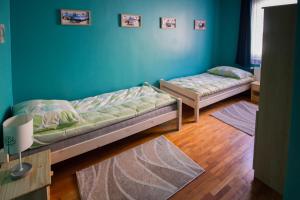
(207, 84)
(107, 109)
(102, 131)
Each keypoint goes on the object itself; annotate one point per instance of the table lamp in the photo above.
(18, 136)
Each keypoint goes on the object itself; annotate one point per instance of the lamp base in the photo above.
(17, 173)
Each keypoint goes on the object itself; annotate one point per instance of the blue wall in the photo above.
(293, 173)
(5, 66)
(5, 62)
(70, 62)
(228, 33)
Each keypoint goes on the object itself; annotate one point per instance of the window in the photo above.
(258, 25)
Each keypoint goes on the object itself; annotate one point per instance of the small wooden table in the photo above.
(255, 91)
(33, 186)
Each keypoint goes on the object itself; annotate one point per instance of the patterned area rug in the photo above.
(152, 171)
(241, 115)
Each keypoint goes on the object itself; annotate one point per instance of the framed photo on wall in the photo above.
(131, 21)
(200, 25)
(2, 33)
(75, 17)
(167, 23)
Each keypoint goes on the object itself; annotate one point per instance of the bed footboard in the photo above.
(179, 104)
(188, 97)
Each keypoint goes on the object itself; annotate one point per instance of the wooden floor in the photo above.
(224, 152)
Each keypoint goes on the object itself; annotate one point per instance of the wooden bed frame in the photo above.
(88, 145)
(194, 100)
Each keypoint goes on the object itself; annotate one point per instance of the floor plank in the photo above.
(224, 152)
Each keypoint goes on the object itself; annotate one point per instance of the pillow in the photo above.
(231, 72)
(48, 114)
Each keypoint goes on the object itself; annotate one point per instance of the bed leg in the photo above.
(196, 114)
(197, 108)
(179, 117)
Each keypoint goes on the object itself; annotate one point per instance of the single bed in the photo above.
(107, 118)
(205, 89)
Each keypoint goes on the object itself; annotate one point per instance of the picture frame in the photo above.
(168, 23)
(131, 21)
(200, 25)
(2, 30)
(75, 17)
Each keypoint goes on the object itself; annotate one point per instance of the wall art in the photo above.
(75, 17)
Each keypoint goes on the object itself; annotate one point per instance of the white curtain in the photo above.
(258, 25)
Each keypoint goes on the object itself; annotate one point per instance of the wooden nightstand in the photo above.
(255, 90)
(34, 186)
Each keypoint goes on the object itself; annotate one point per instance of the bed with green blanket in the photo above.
(204, 89)
(70, 128)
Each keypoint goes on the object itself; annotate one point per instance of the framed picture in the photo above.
(131, 21)
(75, 17)
(200, 25)
(1, 33)
(168, 23)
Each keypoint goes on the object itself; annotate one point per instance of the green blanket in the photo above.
(107, 109)
(206, 84)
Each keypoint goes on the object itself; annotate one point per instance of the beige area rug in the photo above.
(154, 170)
(241, 115)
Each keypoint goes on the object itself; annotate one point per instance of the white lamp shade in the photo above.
(18, 133)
